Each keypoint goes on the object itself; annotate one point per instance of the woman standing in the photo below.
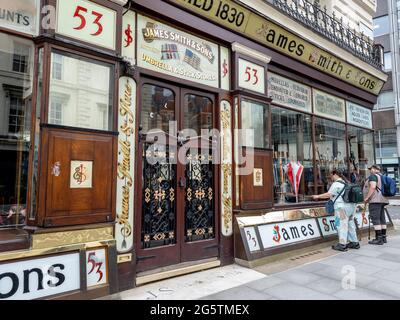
(344, 213)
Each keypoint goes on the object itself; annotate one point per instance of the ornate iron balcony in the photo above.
(313, 16)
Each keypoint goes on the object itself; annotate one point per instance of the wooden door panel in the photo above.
(66, 205)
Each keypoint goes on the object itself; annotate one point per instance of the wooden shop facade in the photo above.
(142, 139)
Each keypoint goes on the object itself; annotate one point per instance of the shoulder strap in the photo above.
(377, 184)
(342, 182)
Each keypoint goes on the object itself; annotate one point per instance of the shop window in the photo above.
(80, 86)
(386, 143)
(381, 26)
(330, 150)
(361, 153)
(254, 124)
(198, 113)
(15, 104)
(293, 156)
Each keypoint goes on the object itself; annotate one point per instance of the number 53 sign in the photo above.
(87, 21)
(251, 76)
(96, 267)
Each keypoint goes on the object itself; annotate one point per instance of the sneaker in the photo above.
(353, 245)
(339, 247)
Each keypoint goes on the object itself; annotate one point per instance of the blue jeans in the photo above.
(346, 228)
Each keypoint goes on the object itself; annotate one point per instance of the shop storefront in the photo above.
(165, 137)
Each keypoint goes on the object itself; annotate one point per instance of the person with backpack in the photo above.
(344, 211)
(374, 196)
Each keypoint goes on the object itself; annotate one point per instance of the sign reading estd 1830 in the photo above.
(87, 21)
(240, 19)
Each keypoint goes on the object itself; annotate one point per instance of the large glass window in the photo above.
(16, 70)
(330, 150)
(381, 26)
(77, 87)
(293, 156)
(361, 153)
(254, 124)
(388, 61)
(385, 100)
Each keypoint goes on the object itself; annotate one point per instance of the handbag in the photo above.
(330, 205)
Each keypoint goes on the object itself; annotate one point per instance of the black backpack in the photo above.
(352, 193)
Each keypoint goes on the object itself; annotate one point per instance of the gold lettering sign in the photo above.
(125, 181)
(239, 19)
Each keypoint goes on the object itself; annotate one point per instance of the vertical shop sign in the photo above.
(226, 168)
(289, 93)
(164, 49)
(251, 76)
(96, 267)
(126, 164)
(359, 115)
(129, 37)
(88, 22)
(329, 106)
(225, 68)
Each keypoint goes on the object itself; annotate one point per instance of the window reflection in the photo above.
(330, 150)
(16, 70)
(77, 88)
(292, 144)
(158, 108)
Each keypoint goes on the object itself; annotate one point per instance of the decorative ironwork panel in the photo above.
(311, 14)
(159, 197)
(199, 197)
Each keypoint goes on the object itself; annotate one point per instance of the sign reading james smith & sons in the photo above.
(20, 15)
(252, 25)
(359, 115)
(176, 53)
(329, 106)
(289, 93)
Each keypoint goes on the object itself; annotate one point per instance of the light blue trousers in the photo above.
(345, 225)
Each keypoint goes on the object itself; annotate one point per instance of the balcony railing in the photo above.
(315, 17)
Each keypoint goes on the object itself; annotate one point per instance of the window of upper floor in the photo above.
(388, 61)
(381, 26)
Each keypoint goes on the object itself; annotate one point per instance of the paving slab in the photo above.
(361, 294)
(386, 287)
(298, 276)
(326, 286)
(291, 291)
(266, 283)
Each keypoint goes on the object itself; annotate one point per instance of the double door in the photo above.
(177, 219)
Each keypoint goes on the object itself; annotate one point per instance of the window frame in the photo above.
(92, 58)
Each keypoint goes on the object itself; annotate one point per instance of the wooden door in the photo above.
(176, 218)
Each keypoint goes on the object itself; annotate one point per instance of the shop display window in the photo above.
(293, 156)
(80, 93)
(254, 118)
(331, 151)
(361, 153)
(16, 81)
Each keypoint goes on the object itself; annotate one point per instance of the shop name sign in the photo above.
(359, 115)
(275, 235)
(239, 19)
(329, 106)
(88, 22)
(289, 93)
(126, 164)
(170, 51)
(38, 278)
(20, 15)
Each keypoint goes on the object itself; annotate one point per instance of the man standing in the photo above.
(377, 202)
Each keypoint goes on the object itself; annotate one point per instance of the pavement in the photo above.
(370, 273)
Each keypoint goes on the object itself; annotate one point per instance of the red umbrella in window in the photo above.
(294, 172)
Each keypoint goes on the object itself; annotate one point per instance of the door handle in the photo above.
(182, 182)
